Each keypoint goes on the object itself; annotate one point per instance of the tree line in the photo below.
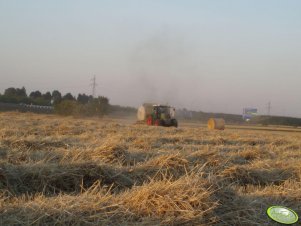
(83, 105)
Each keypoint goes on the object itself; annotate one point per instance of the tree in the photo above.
(21, 92)
(15, 92)
(10, 92)
(47, 96)
(98, 106)
(83, 98)
(35, 94)
(104, 102)
(56, 97)
(15, 95)
(65, 107)
(68, 96)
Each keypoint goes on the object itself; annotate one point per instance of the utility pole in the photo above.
(93, 84)
(269, 107)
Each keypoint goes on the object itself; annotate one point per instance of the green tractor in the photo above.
(157, 115)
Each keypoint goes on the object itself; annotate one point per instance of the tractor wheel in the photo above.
(149, 121)
(162, 122)
(174, 123)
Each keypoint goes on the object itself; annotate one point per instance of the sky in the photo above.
(204, 55)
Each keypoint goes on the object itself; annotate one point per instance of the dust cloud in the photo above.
(164, 69)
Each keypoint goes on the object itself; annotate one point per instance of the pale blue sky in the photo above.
(209, 55)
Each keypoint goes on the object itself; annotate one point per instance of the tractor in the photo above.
(158, 115)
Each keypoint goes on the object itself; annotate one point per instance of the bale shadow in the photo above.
(244, 175)
(36, 145)
(236, 209)
(52, 179)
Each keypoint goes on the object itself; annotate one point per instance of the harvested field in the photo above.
(66, 171)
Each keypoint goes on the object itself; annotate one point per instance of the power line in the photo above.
(93, 84)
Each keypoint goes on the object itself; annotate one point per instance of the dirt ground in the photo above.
(71, 171)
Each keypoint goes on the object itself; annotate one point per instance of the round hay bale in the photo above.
(216, 123)
(144, 111)
(141, 114)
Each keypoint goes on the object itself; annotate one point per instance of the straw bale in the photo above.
(216, 123)
(144, 111)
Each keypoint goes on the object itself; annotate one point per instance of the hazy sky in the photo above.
(217, 56)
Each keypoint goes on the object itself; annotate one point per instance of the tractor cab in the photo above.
(163, 112)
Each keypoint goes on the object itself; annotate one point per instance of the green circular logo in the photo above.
(282, 215)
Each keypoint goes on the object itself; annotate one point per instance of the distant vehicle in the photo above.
(158, 115)
(249, 113)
